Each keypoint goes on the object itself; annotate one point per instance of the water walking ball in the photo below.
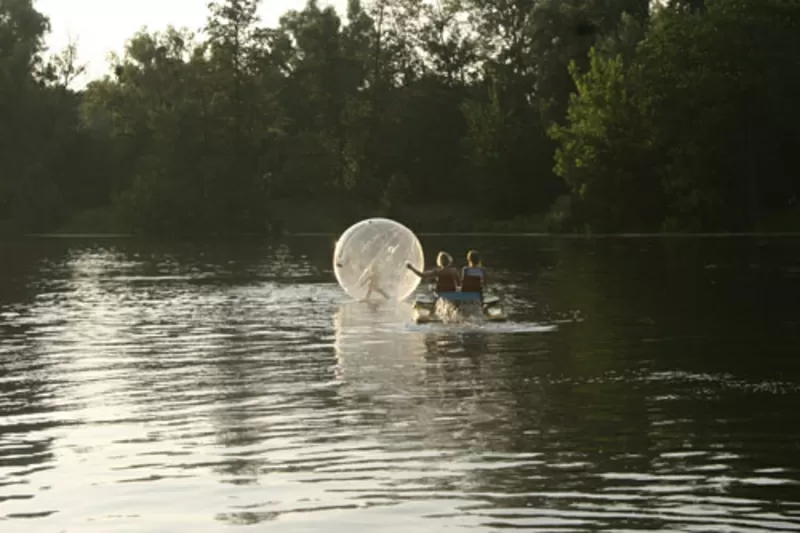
(370, 260)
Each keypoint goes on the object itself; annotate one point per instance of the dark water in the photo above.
(642, 384)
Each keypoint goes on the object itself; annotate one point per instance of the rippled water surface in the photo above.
(641, 384)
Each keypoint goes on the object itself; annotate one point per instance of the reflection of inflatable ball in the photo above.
(370, 260)
(375, 354)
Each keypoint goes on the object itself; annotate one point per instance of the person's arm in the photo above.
(422, 274)
(414, 270)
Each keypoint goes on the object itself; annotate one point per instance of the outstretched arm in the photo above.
(420, 273)
(414, 270)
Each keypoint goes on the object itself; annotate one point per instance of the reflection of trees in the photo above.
(189, 342)
(554, 413)
(238, 368)
(220, 357)
(27, 414)
(226, 343)
(530, 416)
(28, 292)
(683, 291)
(641, 380)
(584, 411)
(29, 268)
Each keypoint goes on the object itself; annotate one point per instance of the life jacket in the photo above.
(472, 279)
(446, 280)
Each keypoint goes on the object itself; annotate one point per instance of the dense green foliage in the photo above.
(593, 115)
(693, 128)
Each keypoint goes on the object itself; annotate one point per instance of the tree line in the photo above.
(565, 115)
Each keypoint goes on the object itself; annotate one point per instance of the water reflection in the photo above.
(374, 349)
(199, 386)
(436, 399)
(415, 377)
(26, 443)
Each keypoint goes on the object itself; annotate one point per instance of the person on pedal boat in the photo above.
(445, 274)
(473, 276)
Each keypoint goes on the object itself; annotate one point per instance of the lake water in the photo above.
(641, 384)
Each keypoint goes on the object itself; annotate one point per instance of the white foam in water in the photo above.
(372, 254)
(486, 327)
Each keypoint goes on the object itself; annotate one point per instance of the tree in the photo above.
(693, 118)
(41, 143)
(605, 151)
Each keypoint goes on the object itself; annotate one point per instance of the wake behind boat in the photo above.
(456, 307)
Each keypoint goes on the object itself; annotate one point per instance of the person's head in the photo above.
(444, 260)
(473, 258)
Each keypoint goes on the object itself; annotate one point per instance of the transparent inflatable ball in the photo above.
(370, 260)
